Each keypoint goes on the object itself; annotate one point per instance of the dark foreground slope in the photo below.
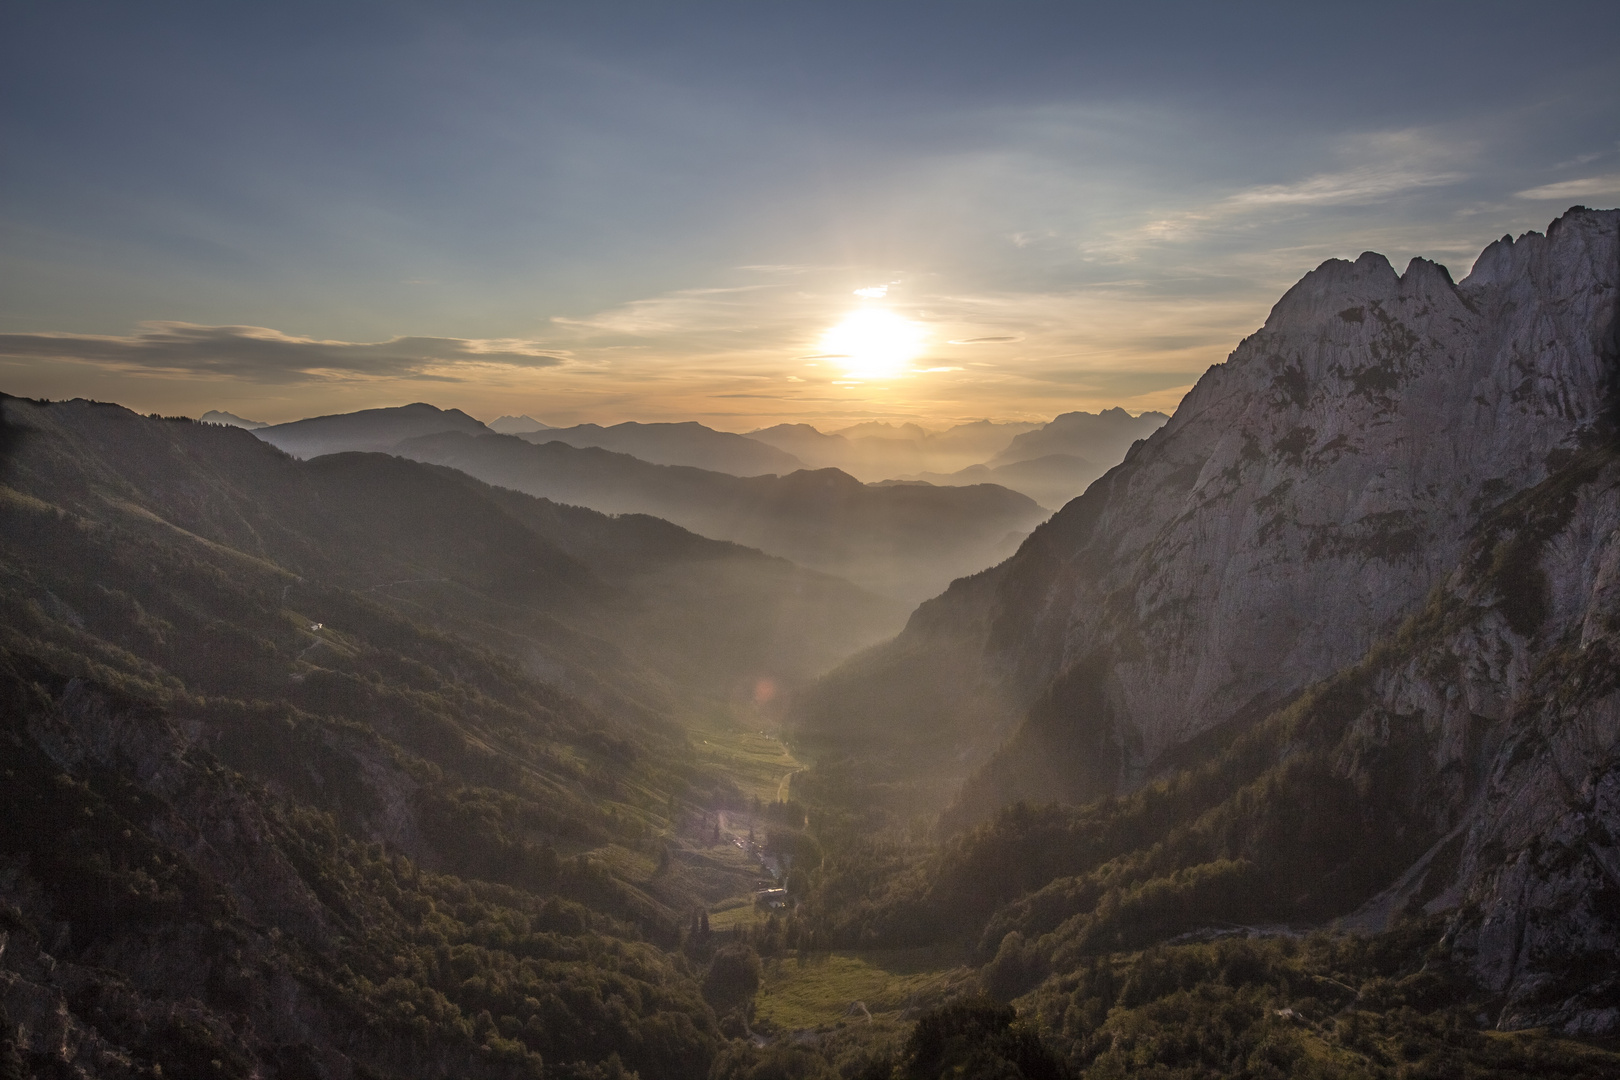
(293, 780)
(1341, 642)
(903, 541)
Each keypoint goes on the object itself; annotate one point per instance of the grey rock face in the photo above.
(1511, 690)
(1407, 492)
(1311, 490)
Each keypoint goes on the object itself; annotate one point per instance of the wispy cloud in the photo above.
(1590, 187)
(1352, 187)
(1374, 167)
(260, 354)
(680, 312)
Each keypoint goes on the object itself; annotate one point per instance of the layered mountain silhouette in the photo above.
(1051, 480)
(1342, 638)
(899, 540)
(516, 425)
(876, 451)
(1102, 437)
(1054, 463)
(368, 430)
(214, 416)
(905, 544)
(687, 443)
(437, 540)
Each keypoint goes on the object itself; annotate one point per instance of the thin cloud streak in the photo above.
(260, 354)
(1591, 187)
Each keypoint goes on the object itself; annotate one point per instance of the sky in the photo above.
(751, 213)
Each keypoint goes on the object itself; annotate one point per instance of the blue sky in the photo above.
(625, 211)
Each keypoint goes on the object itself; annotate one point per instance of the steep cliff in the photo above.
(1305, 497)
(1342, 642)
(1309, 491)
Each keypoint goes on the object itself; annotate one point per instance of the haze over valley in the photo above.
(793, 542)
(903, 538)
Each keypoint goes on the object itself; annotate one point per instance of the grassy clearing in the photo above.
(739, 911)
(818, 991)
(757, 761)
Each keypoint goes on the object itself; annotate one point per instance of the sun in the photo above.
(873, 343)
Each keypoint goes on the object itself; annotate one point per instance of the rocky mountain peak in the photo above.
(1305, 497)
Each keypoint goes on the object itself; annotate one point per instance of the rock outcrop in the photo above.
(1504, 696)
(1304, 498)
(1311, 490)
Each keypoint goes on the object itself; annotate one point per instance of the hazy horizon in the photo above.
(745, 216)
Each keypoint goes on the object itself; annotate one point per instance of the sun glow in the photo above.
(873, 344)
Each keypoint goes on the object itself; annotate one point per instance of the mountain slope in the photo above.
(688, 443)
(263, 816)
(902, 541)
(1465, 771)
(568, 580)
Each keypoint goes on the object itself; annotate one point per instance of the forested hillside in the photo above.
(320, 769)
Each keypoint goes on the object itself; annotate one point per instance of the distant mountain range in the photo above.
(516, 425)
(1051, 480)
(1101, 438)
(901, 541)
(368, 430)
(1055, 462)
(214, 416)
(687, 443)
(904, 541)
(443, 543)
(877, 451)
(1051, 463)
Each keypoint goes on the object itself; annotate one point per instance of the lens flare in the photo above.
(873, 343)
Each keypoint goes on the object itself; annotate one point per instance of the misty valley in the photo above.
(1277, 737)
